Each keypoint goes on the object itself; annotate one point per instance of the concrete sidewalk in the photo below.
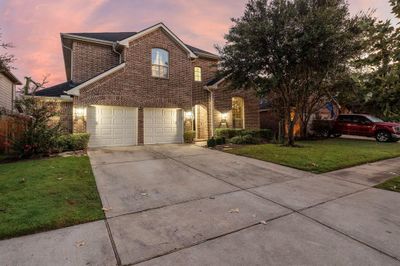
(186, 205)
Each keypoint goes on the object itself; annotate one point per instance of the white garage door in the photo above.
(112, 126)
(163, 125)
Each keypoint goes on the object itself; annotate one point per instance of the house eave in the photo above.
(144, 32)
(80, 38)
(11, 77)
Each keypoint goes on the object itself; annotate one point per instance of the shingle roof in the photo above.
(105, 36)
(56, 90)
(119, 36)
(214, 81)
(10, 76)
(197, 50)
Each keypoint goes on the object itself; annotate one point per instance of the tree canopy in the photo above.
(5, 58)
(293, 49)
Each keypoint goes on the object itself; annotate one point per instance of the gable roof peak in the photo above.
(124, 38)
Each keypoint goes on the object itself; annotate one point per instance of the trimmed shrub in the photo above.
(73, 142)
(227, 133)
(245, 139)
(211, 143)
(266, 134)
(189, 136)
(220, 140)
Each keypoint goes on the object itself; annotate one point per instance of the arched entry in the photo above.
(201, 122)
(237, 112)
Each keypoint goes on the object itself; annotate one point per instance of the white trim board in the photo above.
(76, 91)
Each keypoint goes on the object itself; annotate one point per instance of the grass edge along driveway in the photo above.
(391, 184)
(40, 195)
(321, 156)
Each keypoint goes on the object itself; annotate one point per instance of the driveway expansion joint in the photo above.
(211, 238)
(114, 247)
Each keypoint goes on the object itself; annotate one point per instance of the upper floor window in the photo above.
(197, 74)
(159, 63)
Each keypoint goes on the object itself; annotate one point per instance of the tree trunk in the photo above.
(304, 128)
(290, 123)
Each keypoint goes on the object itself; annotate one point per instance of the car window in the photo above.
(364, 120)
(345, 118)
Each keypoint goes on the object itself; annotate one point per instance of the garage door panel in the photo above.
(163, 125)
(112, 126)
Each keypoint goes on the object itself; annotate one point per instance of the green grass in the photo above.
(322, 155)
(392, 184)
(40, 195)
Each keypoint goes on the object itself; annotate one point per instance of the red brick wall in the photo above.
(89, 60)
(200, 95)
(223, 104)
(134, 85)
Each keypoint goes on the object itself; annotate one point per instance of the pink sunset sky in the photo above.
(34, 26)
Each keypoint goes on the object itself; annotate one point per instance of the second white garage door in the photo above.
(112, 126)
(163, 125)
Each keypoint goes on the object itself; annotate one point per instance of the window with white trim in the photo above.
(197, 73)
(159, 63)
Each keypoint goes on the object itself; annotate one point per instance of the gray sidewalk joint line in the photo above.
(125, 162)
(114, 247)
(210, 239)
(175, 204)
(351, 237)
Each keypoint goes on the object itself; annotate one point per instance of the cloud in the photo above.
(34, 25)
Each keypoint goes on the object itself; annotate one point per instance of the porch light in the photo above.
(189, 115)
(80, 112)
(224, 116)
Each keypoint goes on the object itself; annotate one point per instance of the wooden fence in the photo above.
(10, 128)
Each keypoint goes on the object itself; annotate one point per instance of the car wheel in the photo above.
(325, 133)
(383, 136)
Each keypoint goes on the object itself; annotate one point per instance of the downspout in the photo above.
(114, 46)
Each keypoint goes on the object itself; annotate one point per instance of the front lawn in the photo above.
(322, 156)
(392, 184)
(39, 195)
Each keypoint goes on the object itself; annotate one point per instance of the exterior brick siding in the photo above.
(223, 104)
(134, 86)
(89, 60)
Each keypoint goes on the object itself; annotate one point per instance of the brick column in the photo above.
(140, 132)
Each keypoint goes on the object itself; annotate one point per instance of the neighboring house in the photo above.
(8, 84)
(147, 87)
(270, 116)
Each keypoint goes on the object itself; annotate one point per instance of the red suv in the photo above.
(368, 126)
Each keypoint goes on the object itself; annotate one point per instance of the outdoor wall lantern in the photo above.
(224, 116)
(80, 112)
(189, 115)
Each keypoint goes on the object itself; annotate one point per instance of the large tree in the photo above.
(396, 7)
(292, 49)
(376, 72)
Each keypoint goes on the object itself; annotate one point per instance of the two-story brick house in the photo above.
(147, 87)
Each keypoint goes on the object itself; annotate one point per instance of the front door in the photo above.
(201, 125)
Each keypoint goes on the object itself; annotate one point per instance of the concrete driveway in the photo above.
(186, 205)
